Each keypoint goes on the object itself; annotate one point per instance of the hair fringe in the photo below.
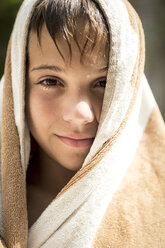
(63, 17)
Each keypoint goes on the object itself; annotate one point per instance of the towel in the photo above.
(117, 198)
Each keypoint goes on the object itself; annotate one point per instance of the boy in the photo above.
(82, 139)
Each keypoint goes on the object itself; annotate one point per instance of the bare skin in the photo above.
(63, 105)
(43, 185)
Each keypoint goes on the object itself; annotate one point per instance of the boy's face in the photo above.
(64, 98)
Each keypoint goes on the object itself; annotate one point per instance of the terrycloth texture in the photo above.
(117, 198)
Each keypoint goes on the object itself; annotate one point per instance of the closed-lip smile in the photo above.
(77, 141)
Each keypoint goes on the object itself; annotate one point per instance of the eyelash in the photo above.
(49, 82)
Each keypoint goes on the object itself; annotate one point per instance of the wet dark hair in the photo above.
(73, 19)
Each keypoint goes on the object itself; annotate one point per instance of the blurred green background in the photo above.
(152, 14)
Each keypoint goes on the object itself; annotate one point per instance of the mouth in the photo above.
(76, 142)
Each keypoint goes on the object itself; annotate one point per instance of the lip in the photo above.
(77, 141)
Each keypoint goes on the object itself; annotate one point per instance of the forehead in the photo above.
(44, 49)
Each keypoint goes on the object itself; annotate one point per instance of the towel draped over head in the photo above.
(117, 198)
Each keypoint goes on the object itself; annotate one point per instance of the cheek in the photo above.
(97, 104)
(41, 110)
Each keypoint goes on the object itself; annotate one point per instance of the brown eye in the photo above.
(101, 83)
(49, 82)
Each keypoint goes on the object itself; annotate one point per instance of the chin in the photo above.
(72, 166)
(71, 161)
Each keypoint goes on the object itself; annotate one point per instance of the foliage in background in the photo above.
(153, 18)
(8, 10)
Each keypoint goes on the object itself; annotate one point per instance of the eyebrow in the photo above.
(48, 67)
(103, 69)
(58, 69)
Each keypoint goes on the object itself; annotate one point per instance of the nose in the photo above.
(79, 113)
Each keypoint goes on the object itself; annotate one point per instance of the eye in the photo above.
(50, 82)
(100, 83)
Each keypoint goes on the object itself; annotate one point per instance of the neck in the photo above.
(47, 174)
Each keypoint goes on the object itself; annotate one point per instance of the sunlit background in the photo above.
(152, 14)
